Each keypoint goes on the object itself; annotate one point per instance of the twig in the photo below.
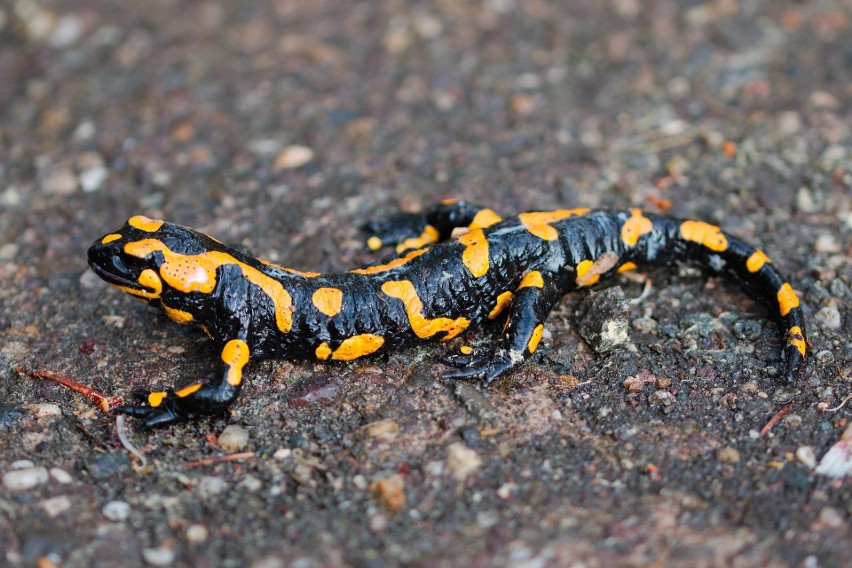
(217, 459)
(839, 406)
(104, 403)
(774, 420)
(121, 431)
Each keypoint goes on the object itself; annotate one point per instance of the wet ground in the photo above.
(283, 126)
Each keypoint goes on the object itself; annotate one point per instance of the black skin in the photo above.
(239, 309)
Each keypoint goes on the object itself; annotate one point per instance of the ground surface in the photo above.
(283, 126)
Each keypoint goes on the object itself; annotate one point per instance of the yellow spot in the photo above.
(475, 255)
(110, 238)
(787, 299)
(374, 243)
(536, 337)
(705, 234)
(328, 300)
(796, 338)
(156, 398)
(395, 263)
(466, 349)
(627, 267)
(484, 218)
(421, 326)
(184, 392)
(449, 201)
(197, 273)
(503, 300)
(235, 355)
(323, 351)
(756, 261)
(429, 235)
(538, 222)
(589, 272)
(144, 223)
(150, 280)
(179, 316)
(582, 269)
(532, 279)
(636, 226)
(358, 346)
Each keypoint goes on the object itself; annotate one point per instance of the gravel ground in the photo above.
(283, 126)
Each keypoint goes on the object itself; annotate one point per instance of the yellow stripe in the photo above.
(787, 299)
(532, 279)
(756, 261)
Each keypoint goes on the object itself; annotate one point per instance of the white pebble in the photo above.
(196, 533)
(233, 438)
(55, 506)
(60, 475)
(293, 157)
(24, 479)
(46, 410)
(210, 485)
(22, 464)
(828, 318)
(92, 179)
(160, 556)
(462, 461)
(116, 510)
(806, 455)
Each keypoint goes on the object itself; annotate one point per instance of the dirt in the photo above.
(283, 127)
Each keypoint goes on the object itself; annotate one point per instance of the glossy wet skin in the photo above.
(436, 288)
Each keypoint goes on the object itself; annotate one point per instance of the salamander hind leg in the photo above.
(535, 297)
(407, 231)
(160, 408)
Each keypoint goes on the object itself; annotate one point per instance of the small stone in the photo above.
(68, 30)
(160, 556)
(662, 383)
(728, 454)
(24, 479)
(385, 430)
(60, 475)
(828, 318)
(314, 388)
(823, 99)
(197, 533)
(282, 453)
(116, 510)
(9, 251)
(55, 506)
(293, 157)
(644, 325)
(378, 523)
(831, 517)
(750, 387)
(827, 242)
(45, 410)
(837, 461)
(507, 491)
(806, 455)
(462, 461)
(210, 485)
(636, 383)
(805, 200)
(233, 438)
(662, 397)
(22, 464)
(390, 491)
(61, 182)
(824, 357)
(603, 320)
(92, 179)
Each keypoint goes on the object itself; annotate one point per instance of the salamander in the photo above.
(456, 265)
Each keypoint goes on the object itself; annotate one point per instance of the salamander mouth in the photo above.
(115, 279)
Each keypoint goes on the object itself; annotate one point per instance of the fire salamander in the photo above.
(437, 287)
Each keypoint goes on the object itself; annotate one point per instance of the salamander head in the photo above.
(131, 258)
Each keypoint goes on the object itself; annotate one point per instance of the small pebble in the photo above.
(750, 387)
(378, 522)
(662, 397)
(55, 506)
(806, 455)
(293, 157)
(60, 182)
(644, 325)
(46, 410)
(824, 357)
(116, 511)
(462, 461)
(233, 438)
(24, 479)
(827, 242)
(60, 475)
(831, 517)
(828, 318)
(197, 533)
(728, 454)
(385, 430)
(662, 383)
(160, 556)
(210, 485)
(92, 179)
(22, 464)
(390, 491)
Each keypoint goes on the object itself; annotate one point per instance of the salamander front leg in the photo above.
(407, 231)
(159, 408)
(535, 297)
